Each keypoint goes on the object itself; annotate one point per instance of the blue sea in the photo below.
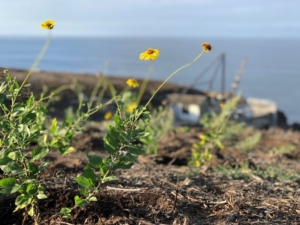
(272, 70)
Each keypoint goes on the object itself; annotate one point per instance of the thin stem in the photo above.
(34, 65)
(38, 59)
(144, 84)
(59, 90)
(98, 84)
(112, 91)
(186, 65)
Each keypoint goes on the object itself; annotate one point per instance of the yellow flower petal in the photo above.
(107, 115)
(48, 24)
(132, 83)
(142, 55)
(131, 107)
(150, 53)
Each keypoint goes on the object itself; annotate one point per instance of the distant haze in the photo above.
(158, 18)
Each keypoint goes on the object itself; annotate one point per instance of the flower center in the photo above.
(150, 51)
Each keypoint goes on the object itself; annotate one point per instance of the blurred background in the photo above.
(93, 36)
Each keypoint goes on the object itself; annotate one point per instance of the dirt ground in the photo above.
(162, 189)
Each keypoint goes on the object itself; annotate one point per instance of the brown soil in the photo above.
(162, 189)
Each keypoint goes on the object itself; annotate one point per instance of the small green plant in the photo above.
(247, 172)
(236, 172)
(273, 173)
(214, 127)
(283, 149)
(121, 144)
(249, 143)
(233, 130)
(161, 122)
(19, 128)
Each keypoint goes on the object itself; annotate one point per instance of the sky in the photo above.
(153, 18)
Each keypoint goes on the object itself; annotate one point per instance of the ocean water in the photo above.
(272, 70)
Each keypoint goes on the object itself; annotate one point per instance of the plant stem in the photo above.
(176, 71)
(34, 65)
(144, 84)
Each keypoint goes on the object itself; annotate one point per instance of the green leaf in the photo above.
(89, 173)
(114, 133)
(54, 126)
(6, 126)
(93, 199)
(80, 202)
(41, 196)
(109, 178)
(29, 118)
(124, 165)
(117, 122)
(219, 144)
(5, 160)
(14, 155)
(131, 158)
(18, 110)
(8, 185)
(31, 189)
(23, 200)
(95, 161)
(110, 145)
(31, 211)
(43, 166)
(136, 150)
(66, 212)
(84, 182)
(16, 188)
(39, 153)
(12, 168)
(32, 168)
(69, 150)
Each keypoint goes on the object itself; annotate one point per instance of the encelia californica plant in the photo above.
(22, 122)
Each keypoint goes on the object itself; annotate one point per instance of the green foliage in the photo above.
(236, 172)
(233, 130)
(214, 128)
(121, 142)
(20, 125)
(161, 122)
(199, 158)
(249, 143)
(273, 173)
(246, 172)
(22, 122)
(283, 149)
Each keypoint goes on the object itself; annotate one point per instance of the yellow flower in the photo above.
(132, 83)
(197, 163)
(131, 107)
(222, 105)
(107, 115)
(203, 139)
(48, 24)
(149, 54)
(206, 46)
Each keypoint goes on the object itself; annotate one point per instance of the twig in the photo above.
(176, 194)
(65, 223)
(217, 203)
(123, 189)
